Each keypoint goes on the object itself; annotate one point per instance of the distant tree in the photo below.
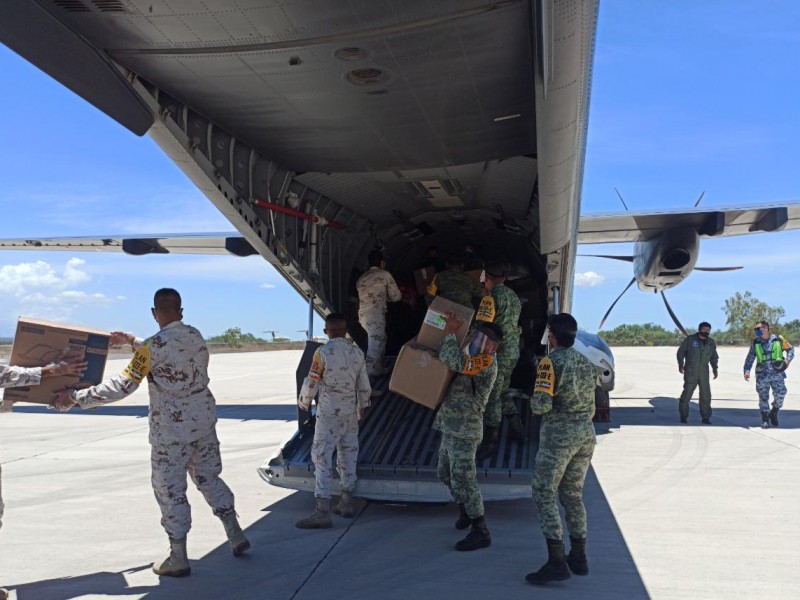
(648, 334)
(233, 337)
(744, 310)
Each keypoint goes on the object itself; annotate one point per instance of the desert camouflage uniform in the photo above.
(564, 395)
(339, 371)
(766, 375)
(460, 419)
(455, 285)
(15, 377)
(502, 306)
(374, 288)
(182, 419)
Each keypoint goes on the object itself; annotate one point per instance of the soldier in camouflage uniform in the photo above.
(564, 396)
(501, 306)
(460, 419)
(375, 288)
(767, 351)
(455, 285)
(24, 376)
(338, 371)
(182, 420)
(694, 355)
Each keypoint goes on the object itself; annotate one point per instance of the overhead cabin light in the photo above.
(507, 117)
(439, 194)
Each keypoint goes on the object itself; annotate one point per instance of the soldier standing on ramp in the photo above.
(694, 355)
(339, 371)
(375, 288)
(564, 396)
(182, 418)
(501, 305)
(460, 419)
(767, 350)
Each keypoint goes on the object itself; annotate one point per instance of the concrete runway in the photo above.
(675, 511)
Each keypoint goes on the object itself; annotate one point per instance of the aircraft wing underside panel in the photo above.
(179, 243)
(711, 222)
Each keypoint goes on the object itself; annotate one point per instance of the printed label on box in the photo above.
(435, 319)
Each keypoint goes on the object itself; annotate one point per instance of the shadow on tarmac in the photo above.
(239, 412)
(393, 552)
(663, 411)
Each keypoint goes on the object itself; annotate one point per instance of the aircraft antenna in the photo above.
(621, 199)
(696, 204)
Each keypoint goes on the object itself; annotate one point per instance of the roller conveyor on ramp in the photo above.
(398, 456)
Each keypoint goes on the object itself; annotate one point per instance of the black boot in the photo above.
(478, 537)
(576, 559)
(773, 416)
(555, 569)
(515, 431)
(489, 445)
(463, 519)
(764, 419)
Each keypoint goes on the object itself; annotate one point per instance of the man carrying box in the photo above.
(460, 419)
(21, 376)
(182, 418)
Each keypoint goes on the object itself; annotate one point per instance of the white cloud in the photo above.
(38, 289)
(588, 279)
(267, 286)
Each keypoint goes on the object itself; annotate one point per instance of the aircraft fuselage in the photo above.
(664, 261)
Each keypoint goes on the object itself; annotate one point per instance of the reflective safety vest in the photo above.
(777, 349)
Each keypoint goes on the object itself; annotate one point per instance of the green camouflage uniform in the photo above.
(502, 306)
(564, 395)
(460, 419)
(456, 286)
(694, 355)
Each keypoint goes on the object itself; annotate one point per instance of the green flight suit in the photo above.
(694, 356)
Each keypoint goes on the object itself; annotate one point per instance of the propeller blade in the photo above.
(614, 256)
(717, 268)
(621, 200)
(613, 304)
(696, 204)
(672, 314)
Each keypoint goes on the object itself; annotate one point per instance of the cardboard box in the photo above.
(432, 332)
(420, 376)
(38, 343)
(422, 278)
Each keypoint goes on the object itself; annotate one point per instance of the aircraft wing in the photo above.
(177, 243)
(709, 222)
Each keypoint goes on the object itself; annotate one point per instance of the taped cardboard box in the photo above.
(38, 343)
(420, 376)
(423, 278)
(432, 332)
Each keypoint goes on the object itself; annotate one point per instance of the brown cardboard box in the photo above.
(38, 343)
(420, 376)
(422, 278)
(432, 332)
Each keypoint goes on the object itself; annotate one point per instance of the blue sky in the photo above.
(687, 97)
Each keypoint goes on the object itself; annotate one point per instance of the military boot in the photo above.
(764, 419)
(515, 430)
(556, 567)
(773, 416)
(320, 518)
(576, 559)
(239, 543)
(489, 445)
(346, 507)
(463, 518)
(177, 563)
(477, 538)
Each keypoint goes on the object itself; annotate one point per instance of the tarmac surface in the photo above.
(675, 511)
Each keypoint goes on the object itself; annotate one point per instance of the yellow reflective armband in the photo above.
(486, 311)
(139, 366)
(475, 364)
(545, 378)
(432, 288)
